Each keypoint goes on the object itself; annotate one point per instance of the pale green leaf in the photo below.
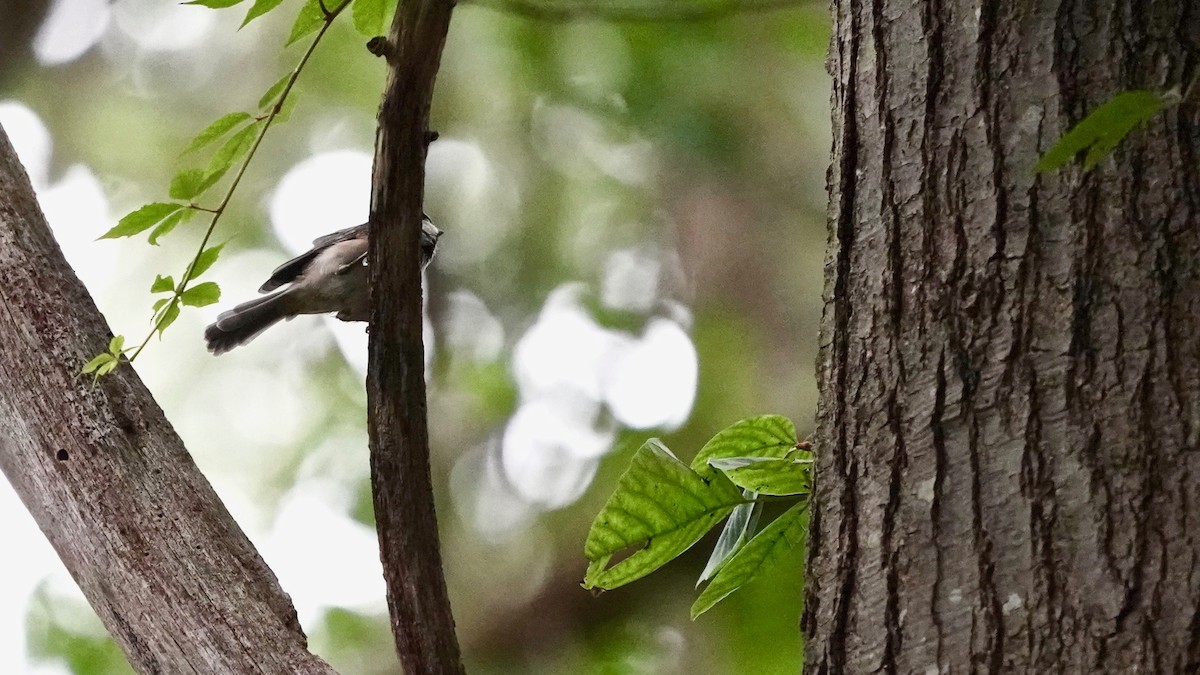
(659, 506)
(272, 93)
(1102, 130)
(259, 8)
(202, 294)
(141, 219)
(763, 551)
(764, 436)
(776, 477)
(162, 284)
(116, 344)
(368, 17)
(205, 260)
(217, 129)
(186, 184)
(158, 304)
(167, 317)
(95, 363)
(230, 152)
(169, 224)
(307, 22)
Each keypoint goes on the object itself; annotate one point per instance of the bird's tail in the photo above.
(243, 323)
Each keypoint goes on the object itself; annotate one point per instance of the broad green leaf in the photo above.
(217, 129)
(307, 22)
(368, 17)
(214, 4)
(230, 152)
(765, 436)
(775, 477)
(782, 535)
(187, 184)
(164, 228)
(141, 219)
(269, 97)
(116, 344)
(285, 110)
(660, 506)
(1102, 130)
(162, 284)
(158, 304)
(259, 8)
(107, 367)
(167, 317)
(738, 530)
(95, 363)
(205, 260)
(201, 295)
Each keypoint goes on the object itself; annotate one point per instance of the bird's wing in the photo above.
(292, 269)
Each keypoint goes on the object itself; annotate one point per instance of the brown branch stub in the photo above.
(110, 484)
(405, 517)
(379, 46)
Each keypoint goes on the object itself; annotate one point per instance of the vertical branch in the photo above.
(406, 522)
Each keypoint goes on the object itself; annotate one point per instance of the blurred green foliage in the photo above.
(705, 142)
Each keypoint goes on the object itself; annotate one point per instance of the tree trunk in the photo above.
(110, 484)
(1008, 475)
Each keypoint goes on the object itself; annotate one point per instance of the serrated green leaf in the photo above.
(167, 318)
(771, 436)
(206, 259)
(164, 228)
(97, 361)
(368, 17)
(162, 284)
(141, 219)
(307, 22)
(1102, 130)
(775, 477)
(217, 129)
(230, 152)
(201, 295)
(186, 184)
(116, 344)
(659, 505)
(214, 4)
(259, 8)
(782, 535)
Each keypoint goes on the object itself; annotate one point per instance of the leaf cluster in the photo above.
(661, 507)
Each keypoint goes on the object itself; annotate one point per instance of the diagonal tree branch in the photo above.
(406, 522)
(110, 484)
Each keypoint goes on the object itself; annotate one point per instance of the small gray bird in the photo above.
(330, 277)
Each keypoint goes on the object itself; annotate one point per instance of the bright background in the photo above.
(634, 217)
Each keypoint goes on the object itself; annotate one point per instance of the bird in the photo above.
(329, 277)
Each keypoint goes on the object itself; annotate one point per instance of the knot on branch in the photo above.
(379, 46)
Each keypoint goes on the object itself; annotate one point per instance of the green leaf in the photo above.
(205, 260)
(97, 361)
(141, 219)
(162, 284)
(368, 17)
(771, 436)
(269, 97)
(158, 304)
(782, 535)
(660, 506)
(307, 22)
(217, 129)
(187, 184)
(107, 367)
(229, 153)
(214, 4)
(1102, 130)
(167, 318)
(766, 476)
(169, 224)
(203, 294)
(259, 8)
(285, 110)
(116, 344)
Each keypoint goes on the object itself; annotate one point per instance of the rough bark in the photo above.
(405, 518)
(1008, 475)
(110, 484)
